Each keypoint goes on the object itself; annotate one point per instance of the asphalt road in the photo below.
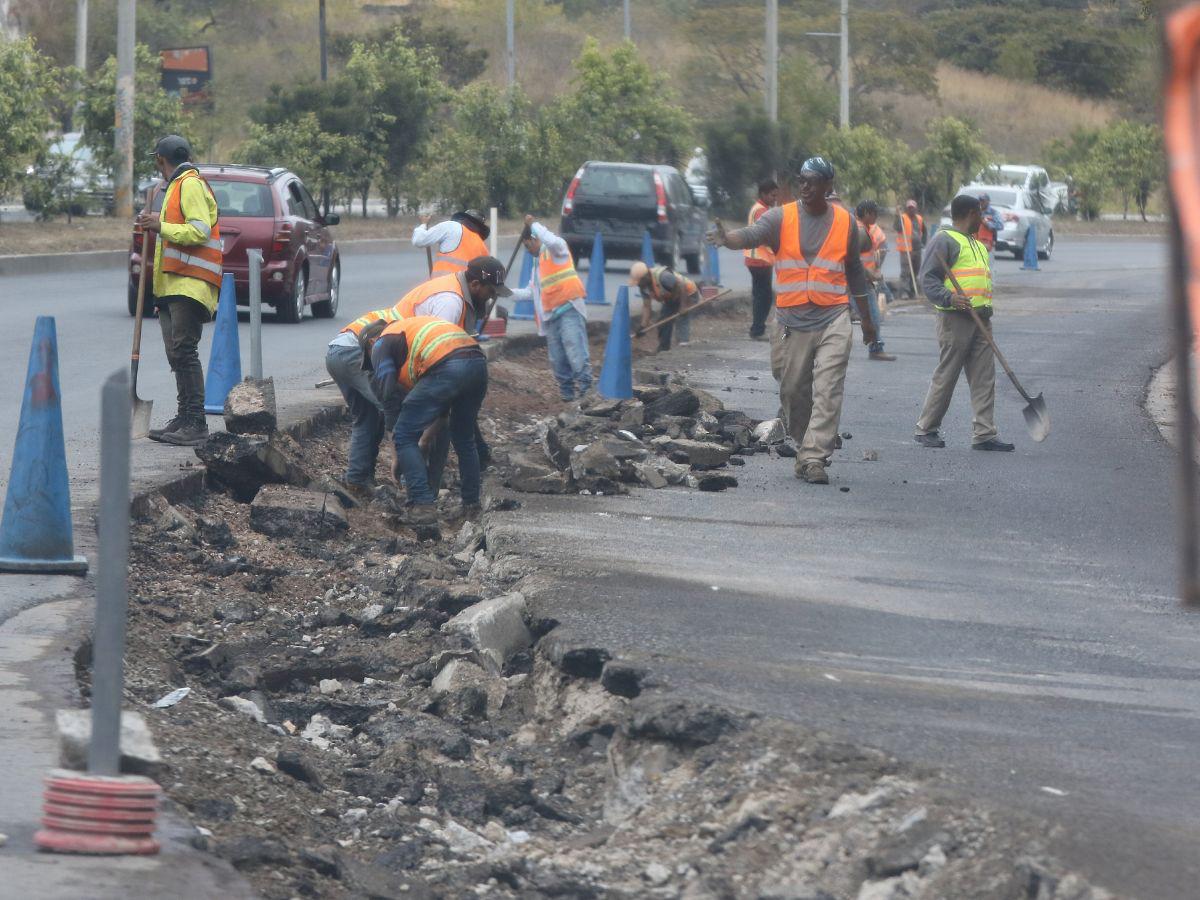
(1011, 618)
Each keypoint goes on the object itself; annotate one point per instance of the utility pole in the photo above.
(81, 36)
(123, 132)
(844, 81)
(510, 35)
(772, 54)
(628, 23)
(321, 28)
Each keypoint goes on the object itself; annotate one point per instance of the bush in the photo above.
(743, 149)
(868, 164)
(31, 91)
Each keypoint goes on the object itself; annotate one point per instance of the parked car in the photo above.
(1018, 211)
(622, 201)
(89, 187)
(1033, 179)
(271, 210)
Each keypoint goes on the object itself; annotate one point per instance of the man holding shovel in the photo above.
(956, 277)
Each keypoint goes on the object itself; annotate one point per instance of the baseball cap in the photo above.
(489, 270)
(172, 148)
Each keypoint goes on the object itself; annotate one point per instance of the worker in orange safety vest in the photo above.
(458, 240)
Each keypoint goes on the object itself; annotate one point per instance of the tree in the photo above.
(744, 148)
(868, 164)
(155, 113)
(31, 90)
(1131, 157)
(953, 153)
(319, 157)
(459, 62)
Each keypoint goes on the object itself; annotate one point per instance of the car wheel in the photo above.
(1045, 254)
(148, 309)
(1018, 252)
(292, 309)
(327, 309)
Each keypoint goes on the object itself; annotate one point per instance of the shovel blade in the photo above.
(1037, 419)
(140, 420)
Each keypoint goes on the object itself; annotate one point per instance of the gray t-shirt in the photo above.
(813, 232)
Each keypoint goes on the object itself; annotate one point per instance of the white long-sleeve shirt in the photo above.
(445, 236)
(560, 253)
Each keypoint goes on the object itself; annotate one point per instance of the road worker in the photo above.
(873, 243)
(818, 266)
(187, 280)
(910, 238)
(440, 369)
(961, 347)
(460, 239)
(990, 224)
(676, 294)
(558, 303)
(760, 262)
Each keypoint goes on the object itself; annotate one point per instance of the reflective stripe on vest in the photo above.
(659, 293)
(558, 282)
(407, 305)
(380, 315)
(971, 269)
(430, 340)
(763, 253)
(904, 242)
(470, 245)
(823, 281)
(870, 258)
(201, 261)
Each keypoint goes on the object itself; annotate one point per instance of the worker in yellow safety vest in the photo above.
(558, 304)
(187, 281)
(460, 239)
(962, 348)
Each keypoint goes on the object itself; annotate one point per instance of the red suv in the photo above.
(272, 210)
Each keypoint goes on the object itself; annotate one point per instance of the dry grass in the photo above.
(1015, 118)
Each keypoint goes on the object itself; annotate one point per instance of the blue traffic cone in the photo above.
(714, 264)
(595, 282)
(1031, 249)
(647, 249)
(526, 269)
(523, 309)
(616, 375)
(35, 534)
(225, 358)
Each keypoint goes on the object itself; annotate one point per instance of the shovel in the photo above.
(686, 312)
(1037, 417)
(140, 420)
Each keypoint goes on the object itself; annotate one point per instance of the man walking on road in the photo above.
(458, 240)
(558, 301)
(187, 280)
(760, 262)
(910, 239)
(873, 244)
(818, 265)
(962, 347)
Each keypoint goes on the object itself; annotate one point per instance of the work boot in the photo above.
(470, 512)
(813, 471)
(421, 514)
(156, 434)
(932, 440)
(880, 356)
(191, 433)
(993, 444)
(364, 492)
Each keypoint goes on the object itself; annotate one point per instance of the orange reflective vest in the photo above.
(762, 255)
(686, 288)
(430, 340)
(877, 240)
(904, 238)
(559, 283)
(201, 261)
(986, 236)
(823, 281)
(367, 328)
(470, 245)
(407, 306)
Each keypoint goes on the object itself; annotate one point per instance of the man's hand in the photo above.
(147, 220)
(716, 237)
(960, 302)
(870, 335)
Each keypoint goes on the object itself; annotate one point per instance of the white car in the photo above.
(1019, 213)
(1033, 179)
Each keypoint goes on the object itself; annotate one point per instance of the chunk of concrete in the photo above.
(284, 511)
(648, 475)
(533, 477)
(139, 755)
(701, 453)
(250, 407)
(496, 628)
(769, 432)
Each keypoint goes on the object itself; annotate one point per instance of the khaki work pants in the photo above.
(810, 367)
(963, 348)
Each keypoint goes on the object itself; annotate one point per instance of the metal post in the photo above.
(772, 73)
(112, 589)
(254, 256)
(494, 236)
(81, 37)
(509, 31)
(628, 23)
(123, 133)
(844, 81)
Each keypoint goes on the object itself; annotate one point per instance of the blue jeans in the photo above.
(567, 342)
(345, 368)
(459, 385)
(873, 303)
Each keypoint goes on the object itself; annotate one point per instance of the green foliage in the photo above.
(743, 148)
(155, 113)
(319, 157)
(55, 189)
(869, 165)
(458, 61)
(30, 91)
(953, 153)
(1131, 155)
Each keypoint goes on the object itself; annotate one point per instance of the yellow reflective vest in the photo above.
(971, 269)
(198, 205)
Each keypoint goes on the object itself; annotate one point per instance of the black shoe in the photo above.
(933, 440)
(190, 434)
(156, 434)
(993, 444)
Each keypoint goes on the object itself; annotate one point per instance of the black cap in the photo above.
(173, 148)
(489, 270)
(475, 218)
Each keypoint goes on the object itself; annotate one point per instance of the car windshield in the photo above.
(616, 183)
(242, 199)
(1003, 198)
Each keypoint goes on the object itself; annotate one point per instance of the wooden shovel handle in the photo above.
(148, 246)
(684, 312)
